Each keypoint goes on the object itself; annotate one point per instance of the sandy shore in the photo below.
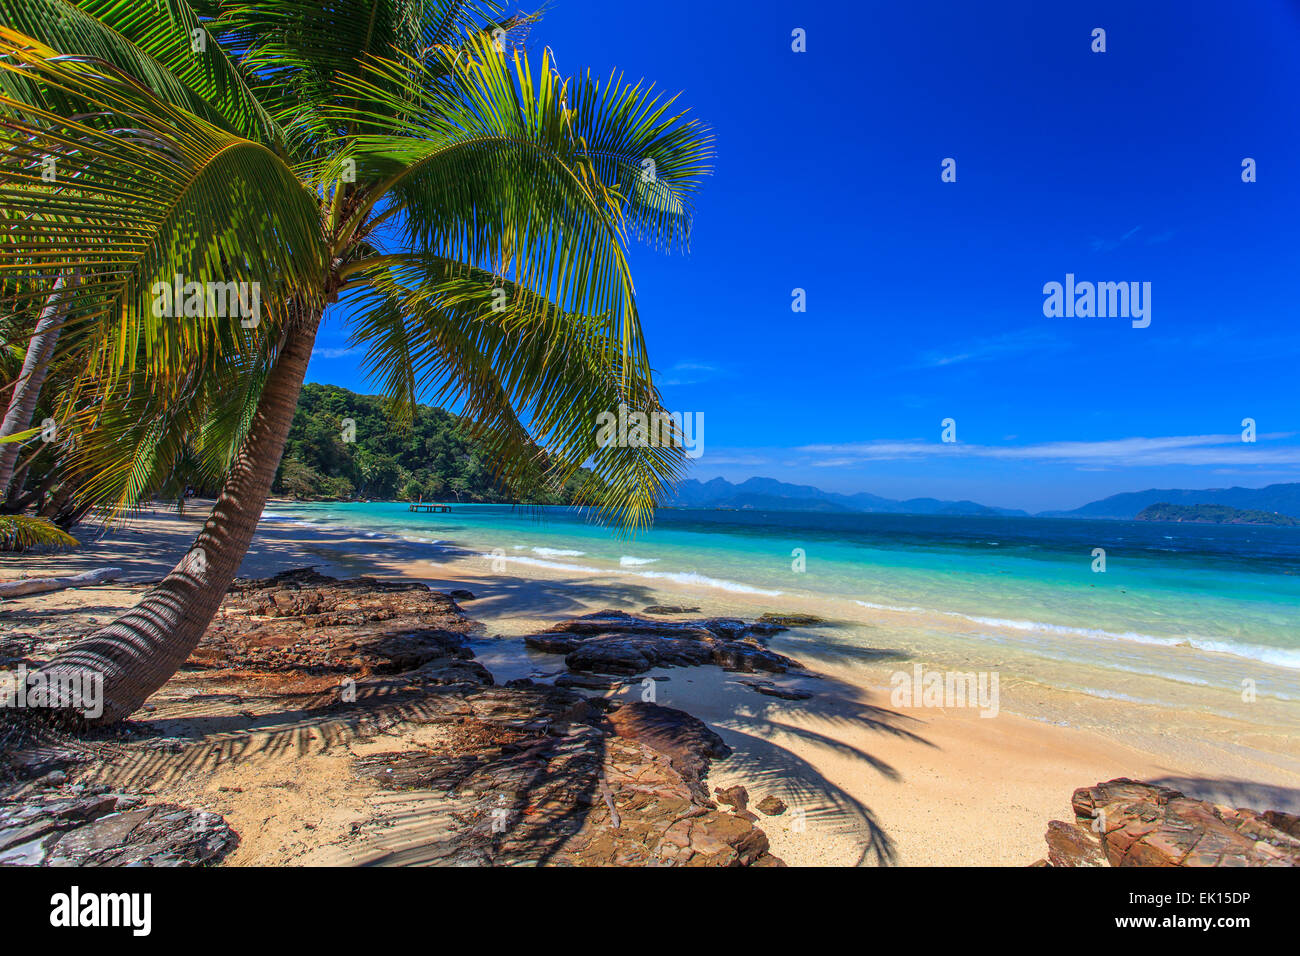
(866, 782)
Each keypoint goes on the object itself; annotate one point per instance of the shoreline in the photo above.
(877, 783)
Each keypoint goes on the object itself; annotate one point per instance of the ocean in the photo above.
(1132, 611)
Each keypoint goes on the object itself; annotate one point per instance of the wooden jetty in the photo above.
(427, 509)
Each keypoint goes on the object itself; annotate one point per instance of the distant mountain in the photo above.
(1282, 499)
(768, 494)
(1214, 514)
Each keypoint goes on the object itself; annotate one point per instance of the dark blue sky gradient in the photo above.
(925, 298)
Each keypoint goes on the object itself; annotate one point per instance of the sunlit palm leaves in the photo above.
(25, 532)
(498, 180)
(161, 43)
(142, 192)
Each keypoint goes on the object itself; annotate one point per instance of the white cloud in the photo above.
(1011, 345)
(691, 373)
(1123, 452)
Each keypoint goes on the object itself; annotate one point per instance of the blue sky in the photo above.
(925, 298)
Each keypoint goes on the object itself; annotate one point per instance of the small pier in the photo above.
(428, 509)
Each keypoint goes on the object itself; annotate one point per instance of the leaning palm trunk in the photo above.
(503, 283)
(140, 651)
(22, 403)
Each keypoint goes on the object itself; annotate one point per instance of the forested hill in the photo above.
(1214, 514)
(433, 457)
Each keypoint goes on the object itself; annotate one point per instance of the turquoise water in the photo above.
(1231, 591)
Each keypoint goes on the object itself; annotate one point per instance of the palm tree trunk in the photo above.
(22, 403)
(140, 651)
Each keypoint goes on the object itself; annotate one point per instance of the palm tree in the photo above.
(477, 207)
(25, 532)
(27, 388)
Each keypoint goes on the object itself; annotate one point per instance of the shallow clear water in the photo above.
(1026, 586)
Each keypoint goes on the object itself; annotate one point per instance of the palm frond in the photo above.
(146, 193)
(26, 532)
(508, 356)
(161, 43)
(302, 50)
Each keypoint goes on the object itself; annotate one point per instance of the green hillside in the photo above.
(433, 457)
(1214, 514)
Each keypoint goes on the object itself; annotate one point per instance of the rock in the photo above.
(791, 620)
(737, 796)
(1069, 845)
(304, 626)
(603, 622)
(772, 805)
(687, 741)
(515, 783)
(669, 609)
(614, 642)
(460, 594)
(1128, 823)
(63, 829)
(1286, 822)
(771, 690)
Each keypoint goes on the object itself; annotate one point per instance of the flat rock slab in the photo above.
(615, 642)
(1127, 823)
(687, 741)
(792, 620)
(727, 628)
(305, 623)
(767, 688)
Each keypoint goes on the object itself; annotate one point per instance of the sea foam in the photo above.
(1277, 656)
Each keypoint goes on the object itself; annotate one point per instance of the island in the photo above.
(1214, 514)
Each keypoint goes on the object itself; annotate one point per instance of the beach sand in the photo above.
(866, 782)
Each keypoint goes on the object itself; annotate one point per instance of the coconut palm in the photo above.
(25, 532)
(473, 206)
(27, 387)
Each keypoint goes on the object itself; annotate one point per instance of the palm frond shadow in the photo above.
(1242, 794)
(826, 806)
(197, 739)
(757, 727)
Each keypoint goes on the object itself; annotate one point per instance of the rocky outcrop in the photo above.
(314, 625)
(72, 825)
(545, 777)
(1127, 823)
(687, 741)
(525, 774)
(615, 642)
